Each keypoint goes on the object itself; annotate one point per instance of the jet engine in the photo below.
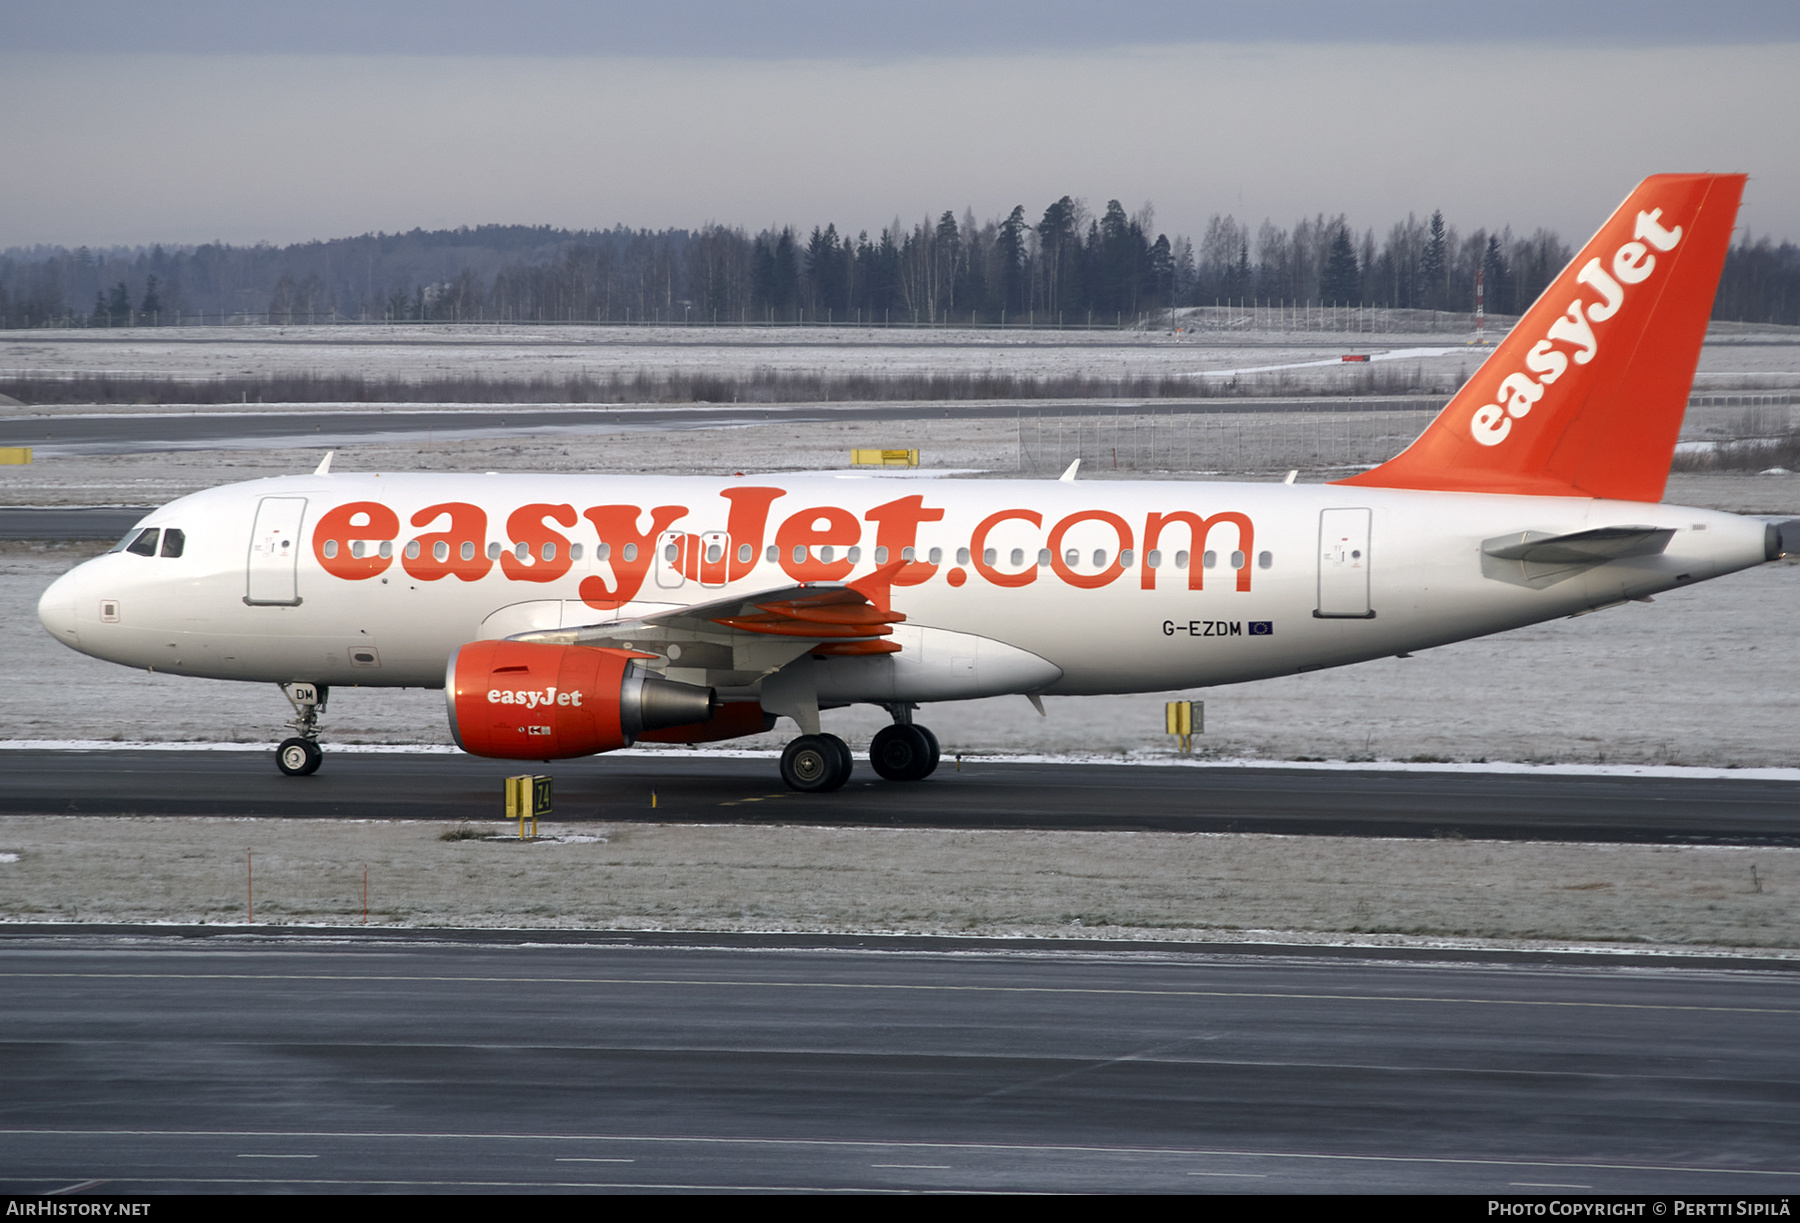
(520, 700)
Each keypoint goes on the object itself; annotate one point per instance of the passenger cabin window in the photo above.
(145, 543)
(173, 541)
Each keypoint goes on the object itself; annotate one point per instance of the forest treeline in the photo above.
(1067, 266)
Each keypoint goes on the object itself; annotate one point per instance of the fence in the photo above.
(1246, 316)
(1269, 437)
(1282, 435)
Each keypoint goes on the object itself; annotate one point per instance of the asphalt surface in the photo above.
(983, 794)
(226, 428)
(239, 1064)
(73, 522)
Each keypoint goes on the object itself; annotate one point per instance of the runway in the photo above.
(984, 793)
(186, 1062)
(69, 522)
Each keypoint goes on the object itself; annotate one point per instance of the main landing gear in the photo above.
(300, 755)
(904, 752)
(817, 764)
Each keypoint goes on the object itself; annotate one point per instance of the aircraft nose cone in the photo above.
(56, 609)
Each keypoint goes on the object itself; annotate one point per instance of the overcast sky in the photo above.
(133, 122)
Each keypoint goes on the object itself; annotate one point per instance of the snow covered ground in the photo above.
(1444, 894)
(413, 352)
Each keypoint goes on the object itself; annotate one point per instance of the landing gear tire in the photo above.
(298, 757)
(816, 764)
(935, 753)
(903, 753)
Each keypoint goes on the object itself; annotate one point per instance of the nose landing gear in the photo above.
(300, 755)
(297, 757)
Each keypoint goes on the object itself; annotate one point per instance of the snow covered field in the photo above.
(520, 353)
(412, 352)
(1446, 894)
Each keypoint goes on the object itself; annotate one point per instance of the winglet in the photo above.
(1068, 477)
(1584, 398)
(324, 467)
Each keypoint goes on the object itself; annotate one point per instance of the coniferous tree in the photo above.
(1059, 243)
(1010, 256)
(1339, 283)
(1497, 284)
(946, 260)
(1434, 263)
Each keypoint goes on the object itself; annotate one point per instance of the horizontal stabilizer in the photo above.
(1594, 547)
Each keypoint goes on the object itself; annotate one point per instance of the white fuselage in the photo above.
(1301, 577)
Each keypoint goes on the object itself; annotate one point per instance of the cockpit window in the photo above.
(172, 542)
(145, 543)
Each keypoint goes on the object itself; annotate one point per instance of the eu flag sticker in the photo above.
(1262, 628)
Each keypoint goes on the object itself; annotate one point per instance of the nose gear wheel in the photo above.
(298, 757)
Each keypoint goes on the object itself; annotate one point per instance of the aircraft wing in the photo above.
(742, 637)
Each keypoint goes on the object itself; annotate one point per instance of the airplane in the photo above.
(568, 615)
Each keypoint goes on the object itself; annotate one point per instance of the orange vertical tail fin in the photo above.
(1584, 398)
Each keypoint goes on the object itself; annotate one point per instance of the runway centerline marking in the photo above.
(1072, 991)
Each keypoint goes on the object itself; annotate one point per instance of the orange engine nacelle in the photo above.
(521, 700)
